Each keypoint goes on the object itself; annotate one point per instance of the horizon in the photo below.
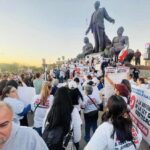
(33, 30)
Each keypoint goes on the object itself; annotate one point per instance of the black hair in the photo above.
(90, 83)
(131, 75)
(75, 95)
(2, 85)
(6, 91)
(127, 84)
(76, 80)
(37, 75)
(12, 83)
(142, 80)
(120, 118)
(60, 113)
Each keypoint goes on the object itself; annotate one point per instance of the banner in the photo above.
(116, 75)
(140, 110)
(26, 94)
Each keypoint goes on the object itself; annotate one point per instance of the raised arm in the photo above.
(110, 81)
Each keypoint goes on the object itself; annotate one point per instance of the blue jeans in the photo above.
(90, 123)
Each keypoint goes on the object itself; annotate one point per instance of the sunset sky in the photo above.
(34, 29)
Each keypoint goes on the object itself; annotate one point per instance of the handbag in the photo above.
(99, 107)
(53, 137)
(68, 143)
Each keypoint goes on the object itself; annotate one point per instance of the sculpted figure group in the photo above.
(103, 44)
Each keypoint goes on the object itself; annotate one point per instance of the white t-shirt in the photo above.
(75, 124)
(102, 140)
(41, 110)
(88, 104)
(17, 107)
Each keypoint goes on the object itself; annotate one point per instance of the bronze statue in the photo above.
(88, 47)
(97, 27)
(119, 43)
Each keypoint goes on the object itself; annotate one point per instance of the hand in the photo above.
(113, 21)
(87, 31)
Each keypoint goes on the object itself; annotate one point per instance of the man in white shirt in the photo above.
(15, 137)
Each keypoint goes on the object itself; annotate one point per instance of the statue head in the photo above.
(120, 31)
(86, 40)
(97, 5)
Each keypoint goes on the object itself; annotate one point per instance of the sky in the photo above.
(34, 29)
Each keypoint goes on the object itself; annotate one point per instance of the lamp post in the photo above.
(45, 68)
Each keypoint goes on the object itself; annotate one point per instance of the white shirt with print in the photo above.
(41, 110)
(102, 140)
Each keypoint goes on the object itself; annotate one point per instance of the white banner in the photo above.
(116, 75)
(140, 110)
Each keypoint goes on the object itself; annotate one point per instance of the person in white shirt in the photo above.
(130, 78)
(90, 111)
(117, 130)
(65, 116)
(141, 82)
(40, 104)
(10, 96)
(15, 137)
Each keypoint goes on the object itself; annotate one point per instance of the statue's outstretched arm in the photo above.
(107, 17)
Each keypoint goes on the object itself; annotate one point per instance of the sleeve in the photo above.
(76, 124)
(19, 107)
(106, 16)
(33, 103)
(37, 143)
(84, 102)
(44, 120)
(98, 140)
(25, 110)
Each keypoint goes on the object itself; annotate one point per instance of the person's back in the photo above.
(62, 118)
(102, 139)
(117, 130)
(38, 85)
(24, 138)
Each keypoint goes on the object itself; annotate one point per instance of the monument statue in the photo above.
(119, 43)
(97, 27)
(87, 48)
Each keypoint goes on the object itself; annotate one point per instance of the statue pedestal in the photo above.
(94, 55)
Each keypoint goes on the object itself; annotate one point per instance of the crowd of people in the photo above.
(71, 96)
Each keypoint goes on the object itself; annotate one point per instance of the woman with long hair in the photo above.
(10, 96)
(40, 104)
(64, 115)
(117, 130)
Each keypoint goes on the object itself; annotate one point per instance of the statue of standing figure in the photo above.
(97, 27)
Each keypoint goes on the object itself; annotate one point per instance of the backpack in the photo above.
(56, 140)
(53, 137)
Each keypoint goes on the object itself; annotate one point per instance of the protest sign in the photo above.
(140, 110)
(116, 74)
(26, 94)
